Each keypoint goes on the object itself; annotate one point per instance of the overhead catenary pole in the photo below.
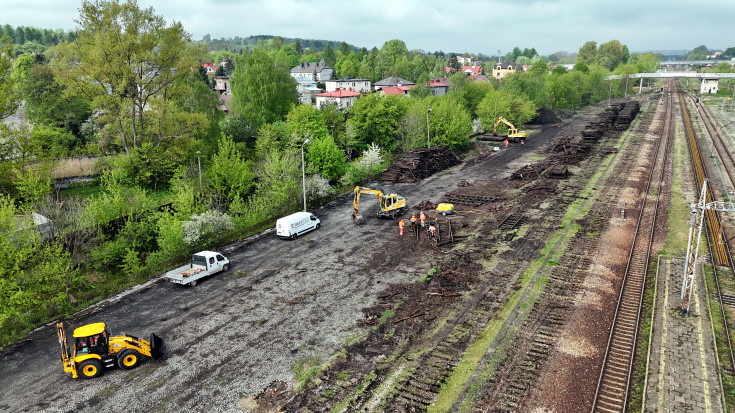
(303, 171)
(428, 139)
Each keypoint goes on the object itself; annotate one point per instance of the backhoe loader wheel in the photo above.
(226, 268)
(128, 359)
(90, 369)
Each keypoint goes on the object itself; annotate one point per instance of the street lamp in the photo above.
(303, 171)
(199, 161)
(428, 140)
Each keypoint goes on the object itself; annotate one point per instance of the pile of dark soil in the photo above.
(544, 116)
(420, 164)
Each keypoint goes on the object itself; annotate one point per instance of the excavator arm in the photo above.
(66, 359)
(512, 130)
(359, 190)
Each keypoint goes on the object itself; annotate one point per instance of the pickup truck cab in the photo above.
(290, 227)
(203, 264)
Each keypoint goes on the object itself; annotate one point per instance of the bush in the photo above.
(205, 227)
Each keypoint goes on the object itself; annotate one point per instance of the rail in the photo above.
(613, 384)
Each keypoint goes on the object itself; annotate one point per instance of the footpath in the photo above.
(682, 373)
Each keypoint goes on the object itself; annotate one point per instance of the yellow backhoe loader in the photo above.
(95, 349)
(391, 205)
(512, 130)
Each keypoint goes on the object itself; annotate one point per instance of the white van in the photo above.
(296, 224)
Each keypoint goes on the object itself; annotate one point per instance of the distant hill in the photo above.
(237, 43)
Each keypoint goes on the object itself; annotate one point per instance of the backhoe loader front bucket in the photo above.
(156, 346)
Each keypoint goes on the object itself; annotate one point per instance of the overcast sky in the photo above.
(473, 26)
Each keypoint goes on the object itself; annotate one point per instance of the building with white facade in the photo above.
(311, 72)
(358, 85)
(342, 98)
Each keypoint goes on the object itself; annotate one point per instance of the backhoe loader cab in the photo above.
(96, 349)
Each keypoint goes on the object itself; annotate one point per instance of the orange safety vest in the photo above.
(400, 223)
(423, 216)
(432, 229)
(413, 218)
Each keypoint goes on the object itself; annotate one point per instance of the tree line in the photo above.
(136, 90)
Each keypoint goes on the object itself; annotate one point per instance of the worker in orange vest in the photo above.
(506, 143)
(432, 231)
(400, 226)
(413, 221)
(422, 218)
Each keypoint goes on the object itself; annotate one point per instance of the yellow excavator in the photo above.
(95, 349)
(391, 205)
(512, 130)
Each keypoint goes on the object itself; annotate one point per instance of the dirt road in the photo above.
(230, 336)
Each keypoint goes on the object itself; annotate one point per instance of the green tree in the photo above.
(305, 121)
(326, 158)
(230, 175)
(514, 107)
(729, 53)
(35, 275)
(278, 186)
(699, 53)
(588, 53)
(9, 97)
(375, 119)
(330, 58)
(610, 54)
(128, 62)
(48, 102)
(450, 124)
(261, 92)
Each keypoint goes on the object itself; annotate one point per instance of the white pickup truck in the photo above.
(203, 264)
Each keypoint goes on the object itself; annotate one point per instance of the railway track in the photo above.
(728, 161)
(540, 331)
(614, 381)
(423, 378)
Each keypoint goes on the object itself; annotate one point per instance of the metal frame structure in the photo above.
(695, 231)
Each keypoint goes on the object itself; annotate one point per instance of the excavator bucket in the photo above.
(156, 346)
(357, 219)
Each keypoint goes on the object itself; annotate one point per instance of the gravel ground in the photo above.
(231, 336)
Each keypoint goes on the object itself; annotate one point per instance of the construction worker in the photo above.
(506, 143)
(400, 226)
(432, 231)
(523, 142)
(422, 218)
(413, 221)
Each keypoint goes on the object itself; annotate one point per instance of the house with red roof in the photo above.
(209, 68)
(342, 98)
(471, 71)
(395, 90)
(449, 69)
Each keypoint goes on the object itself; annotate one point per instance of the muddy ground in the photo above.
(232, 341)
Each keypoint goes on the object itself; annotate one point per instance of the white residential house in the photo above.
(708, 86)
(358, 85)
(467, 60)
(342, 98)
(311, 72)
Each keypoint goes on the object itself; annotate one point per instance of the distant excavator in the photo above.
(391, 205)
(513, 133)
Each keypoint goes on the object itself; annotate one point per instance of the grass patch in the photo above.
(306, 372)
